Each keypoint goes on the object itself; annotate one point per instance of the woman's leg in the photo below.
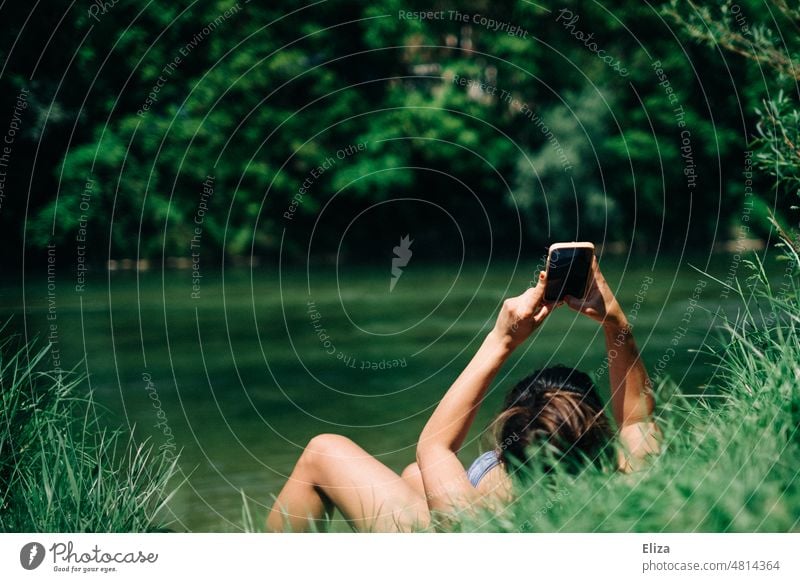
(333, 470)
(413, 477)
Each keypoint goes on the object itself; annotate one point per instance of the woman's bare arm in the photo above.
(631, 390)
(443, 475)
(631, 396)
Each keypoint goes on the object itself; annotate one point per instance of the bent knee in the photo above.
(325, 445)
(411, 472)
(413, 477)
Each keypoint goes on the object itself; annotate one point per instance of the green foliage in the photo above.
(271, 91)
(582, 121)
(60, 469)
(778, 142)
(747, 30)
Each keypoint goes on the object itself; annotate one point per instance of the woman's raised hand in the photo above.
(521, 315)
(599, 302)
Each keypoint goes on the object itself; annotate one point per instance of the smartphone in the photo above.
(569, 270)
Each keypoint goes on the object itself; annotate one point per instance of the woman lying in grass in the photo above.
(555, 410)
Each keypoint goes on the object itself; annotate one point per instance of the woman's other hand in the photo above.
(521, 315)
(599, 302)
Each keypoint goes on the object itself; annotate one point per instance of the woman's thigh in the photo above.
(367, 492)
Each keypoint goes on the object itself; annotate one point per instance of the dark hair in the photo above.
(556, 407)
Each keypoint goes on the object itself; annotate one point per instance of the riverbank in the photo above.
(239, 379)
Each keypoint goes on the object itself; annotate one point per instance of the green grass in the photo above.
(60, 469)
(728, 464)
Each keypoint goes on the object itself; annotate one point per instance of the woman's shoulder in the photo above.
(496, 485)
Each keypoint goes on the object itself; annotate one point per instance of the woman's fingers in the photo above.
(543, 312)
(532, 297)
(528, 306)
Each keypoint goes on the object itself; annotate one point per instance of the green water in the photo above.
(243, 379)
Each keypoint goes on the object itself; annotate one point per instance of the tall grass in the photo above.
(728, 464)
(60, 469)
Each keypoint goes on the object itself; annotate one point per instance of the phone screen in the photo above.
(567, 272)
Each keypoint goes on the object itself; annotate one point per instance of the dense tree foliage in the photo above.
(147, 125)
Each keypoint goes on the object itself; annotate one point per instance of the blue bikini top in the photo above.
(482, 465)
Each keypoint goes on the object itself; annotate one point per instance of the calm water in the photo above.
(244, 375)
